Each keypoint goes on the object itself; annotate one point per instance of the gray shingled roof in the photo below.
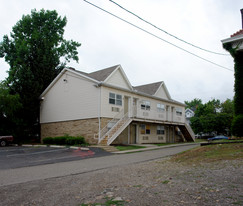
(101, 75)
(148, 88)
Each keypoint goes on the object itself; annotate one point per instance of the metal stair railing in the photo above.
(103, 132)
(125, 120)
(189, 129)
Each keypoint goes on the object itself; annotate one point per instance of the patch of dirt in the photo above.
(159, 182)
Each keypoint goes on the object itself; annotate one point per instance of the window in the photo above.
(160, 129)
(118, 99)
(160, 107)
(179, 111)
(115, 99)
(145, 129)
(145, 105)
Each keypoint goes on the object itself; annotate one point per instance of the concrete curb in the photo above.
(56, 146)
(154, 148)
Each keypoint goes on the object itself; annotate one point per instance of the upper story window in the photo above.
(160, 107)
(145, 105)
(179, 111)
(115, 99)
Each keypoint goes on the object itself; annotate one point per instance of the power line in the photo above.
(155, 35)
(165, 31)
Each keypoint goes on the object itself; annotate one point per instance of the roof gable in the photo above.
(162, 92)
(118, 78)
(157, 89)
(148, 88)
(73, 71)
(189, 110)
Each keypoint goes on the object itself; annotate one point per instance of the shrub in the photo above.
(237, 126)
(70, 140)
(48, 140)
(60, 140)
(80, 141)
(65, 140)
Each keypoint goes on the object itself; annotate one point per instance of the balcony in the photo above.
(163, 116)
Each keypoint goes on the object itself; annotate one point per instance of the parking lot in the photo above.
(16, 157)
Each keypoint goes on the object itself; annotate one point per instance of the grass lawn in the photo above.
(200, 140)
(128, 147)
(210, 153)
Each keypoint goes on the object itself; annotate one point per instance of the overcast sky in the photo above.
(107, 41)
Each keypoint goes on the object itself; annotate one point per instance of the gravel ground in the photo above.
(158, 182)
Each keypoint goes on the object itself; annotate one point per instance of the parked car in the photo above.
(220, 137)
(4, 140)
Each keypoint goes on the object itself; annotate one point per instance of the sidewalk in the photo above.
(113, 150)
(55, 146)
(153, 147)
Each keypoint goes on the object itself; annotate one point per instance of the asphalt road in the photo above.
(16, 157)
(60, 169)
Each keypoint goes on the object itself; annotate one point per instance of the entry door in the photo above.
(133, 134)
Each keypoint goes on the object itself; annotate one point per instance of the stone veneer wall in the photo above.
(85, 127)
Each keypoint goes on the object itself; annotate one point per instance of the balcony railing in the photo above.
(157, 115)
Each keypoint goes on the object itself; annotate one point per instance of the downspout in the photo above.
(99, 111)
(98, 86)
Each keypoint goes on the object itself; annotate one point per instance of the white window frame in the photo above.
(178, 111)
(145, 105)
(160, 107)
(146, 129)
(160, 129)
(115, 99)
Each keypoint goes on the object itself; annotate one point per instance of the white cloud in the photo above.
(107, 41)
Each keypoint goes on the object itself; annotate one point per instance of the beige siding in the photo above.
(71, 97)
(170, 115)
(106, 107)
(118, 80)
(161, 93)
(153, 137)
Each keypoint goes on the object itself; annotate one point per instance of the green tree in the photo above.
(9, 104)
(227, 107)
(213, 116)
(237, 54)
(193, 104)
(36, 52)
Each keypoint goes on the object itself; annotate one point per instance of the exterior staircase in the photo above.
(187, 132)
(113, 132)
